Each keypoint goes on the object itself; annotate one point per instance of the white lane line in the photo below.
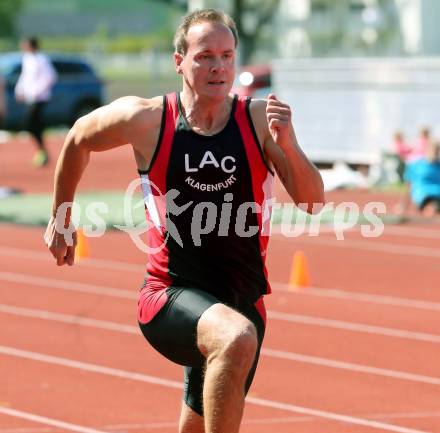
(176, 385)
(312, 291)
(250, 421)
(330, 415)
(372, 245)
(356, 327)
(309, 320)
(90, 262)
(94, 368)
(48, 421)
(72, 320)
(350, 366)
(389, 230)
(55, 283)
(280, 354)
(108, 428)
(406, 415)
(414, 232)
(360, 297)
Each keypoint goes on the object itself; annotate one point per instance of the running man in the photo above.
(211, 156)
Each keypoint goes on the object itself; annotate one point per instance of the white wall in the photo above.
(348, 109)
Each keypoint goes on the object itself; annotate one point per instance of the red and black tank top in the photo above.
(208, 206)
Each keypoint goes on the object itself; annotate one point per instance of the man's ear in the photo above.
(178, 59)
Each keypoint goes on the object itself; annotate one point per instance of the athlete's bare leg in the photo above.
(229, 342)
(190, 421)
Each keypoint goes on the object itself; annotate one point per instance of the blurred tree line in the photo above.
(251, 16)
(9, 9)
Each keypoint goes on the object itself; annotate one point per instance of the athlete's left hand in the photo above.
(279, 117)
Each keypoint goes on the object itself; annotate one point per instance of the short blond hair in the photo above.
(198, 16)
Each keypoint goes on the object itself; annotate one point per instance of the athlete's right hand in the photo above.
(56, 242)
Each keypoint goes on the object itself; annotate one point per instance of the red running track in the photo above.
(366, 352)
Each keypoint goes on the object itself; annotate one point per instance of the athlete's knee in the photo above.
(238, 345)
(227, 334)
(243, 344)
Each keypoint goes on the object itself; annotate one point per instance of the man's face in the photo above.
(26, 46)
(208, 67)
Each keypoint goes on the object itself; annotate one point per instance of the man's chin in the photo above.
(217, 92)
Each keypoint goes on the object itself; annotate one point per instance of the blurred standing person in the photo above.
(403, 150)
(400, 145)
(34, 88)
(423, 182)
(421, 144)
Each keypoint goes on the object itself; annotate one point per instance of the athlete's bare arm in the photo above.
(128, 120)
(272, 120)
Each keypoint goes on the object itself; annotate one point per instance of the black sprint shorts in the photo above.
(172, 332)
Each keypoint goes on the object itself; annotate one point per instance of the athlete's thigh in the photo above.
(173, 330)
(194, 376)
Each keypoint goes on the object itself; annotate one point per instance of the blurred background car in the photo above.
(253, 80)
(77, 91)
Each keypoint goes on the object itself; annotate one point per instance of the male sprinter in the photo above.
(210, 154)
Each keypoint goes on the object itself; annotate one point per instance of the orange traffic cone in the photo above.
(82, 246)
(299, 274)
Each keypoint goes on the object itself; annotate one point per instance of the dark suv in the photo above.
(77, 91)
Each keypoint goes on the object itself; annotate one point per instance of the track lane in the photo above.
(86, 343)
(346, 418)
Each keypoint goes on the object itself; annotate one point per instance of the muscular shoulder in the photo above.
(126, 120)
(138, 112)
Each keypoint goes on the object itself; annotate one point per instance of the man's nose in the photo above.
(217, 65)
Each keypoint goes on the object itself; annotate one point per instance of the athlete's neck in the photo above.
(205, 116)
